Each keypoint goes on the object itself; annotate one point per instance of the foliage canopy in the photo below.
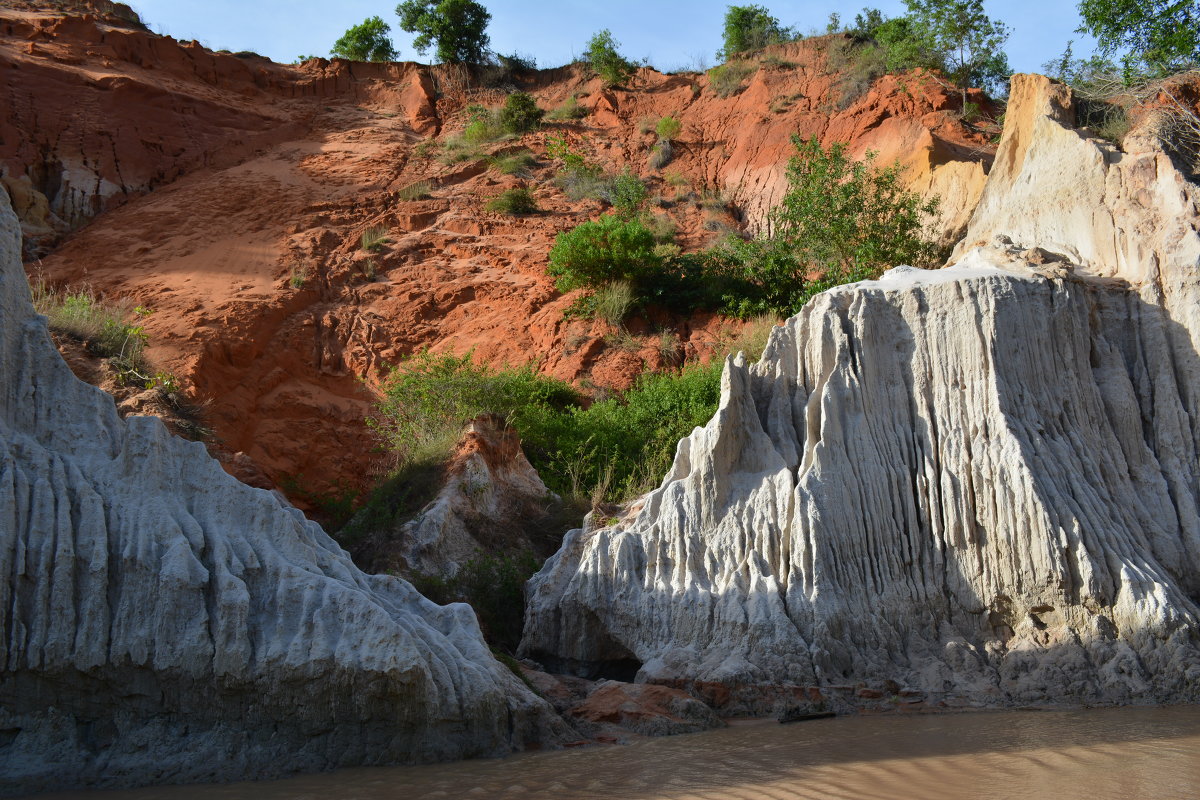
(619, 444)
(1163, 34)
(750, 28)
(609, 249)
(366, 42)
(953, 36)
(850, 218)
(603, 56)
(966, 42)
(456, 29)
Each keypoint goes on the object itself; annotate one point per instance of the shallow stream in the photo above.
(1123, 753)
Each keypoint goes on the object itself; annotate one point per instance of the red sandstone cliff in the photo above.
(206, 186)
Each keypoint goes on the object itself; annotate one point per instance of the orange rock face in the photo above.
(230, 195)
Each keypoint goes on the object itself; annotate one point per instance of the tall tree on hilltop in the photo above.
(603, 56)
(751, 28)
(965, 39)
(366, 42)
(456, 29)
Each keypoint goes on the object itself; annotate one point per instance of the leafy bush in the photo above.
(850, 218)
(514, 201)
(602, 56)
(625, 443)
(741, 278)
(569, 110)
(668, 128)
(608, 249)
(520, 114)
(878, 46)
(841, 219)
(412, 483)
(558, 147)
(727, 79)
(456, 29)
(955, 37)
(750, 28)
(494, 586)
(845, 220)
(366, 42)
(483, 125)
(429, 399)
(627, 193)
(892, 45)
(622, 444)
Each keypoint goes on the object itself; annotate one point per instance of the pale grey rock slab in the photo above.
(979, 483)
(162, 622)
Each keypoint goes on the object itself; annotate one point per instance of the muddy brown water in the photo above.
(1122, 754)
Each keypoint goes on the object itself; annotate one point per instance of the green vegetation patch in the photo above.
(103, 327)
(841, 220)
(603, 57)
(613, 448)
(513, 202)
(494, 586)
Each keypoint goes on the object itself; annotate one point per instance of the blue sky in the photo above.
(671, 34)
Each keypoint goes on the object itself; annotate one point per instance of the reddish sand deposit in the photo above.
(229, 194)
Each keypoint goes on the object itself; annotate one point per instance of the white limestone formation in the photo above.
(161, 622)
(976, 485)
(490, 501)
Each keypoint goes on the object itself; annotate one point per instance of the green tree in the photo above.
(964, 39)
(603, 57)
(904, 44)
(456, 29)
(849, 218)
(751, 28)
(1163, 34)
(366, 42)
